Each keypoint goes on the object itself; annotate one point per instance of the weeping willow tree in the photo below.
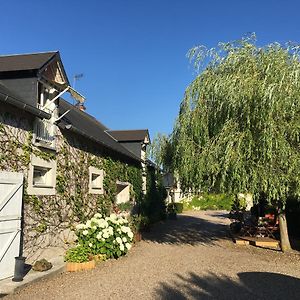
(238, 128)
(161, 152)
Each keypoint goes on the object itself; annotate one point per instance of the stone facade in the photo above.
(49, 217)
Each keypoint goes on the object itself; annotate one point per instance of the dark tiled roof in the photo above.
(129, 135)
(24, 62)
(89, 126)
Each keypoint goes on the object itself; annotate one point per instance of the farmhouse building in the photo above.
(58, 164)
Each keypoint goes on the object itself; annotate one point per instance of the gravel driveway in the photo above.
(190, 258)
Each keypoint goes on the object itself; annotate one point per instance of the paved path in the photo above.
(191, 258)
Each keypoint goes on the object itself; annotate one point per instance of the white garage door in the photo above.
(11, 192)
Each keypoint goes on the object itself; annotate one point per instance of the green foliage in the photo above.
(239, 204)
(126, 206)
(72, 203)
(116, 170)
(77, 254)
(171, 208)
(238, 128)
(209, 202)
(179, 207)
(153, 205)
(176, 207)
(161, 151)
(139, 223)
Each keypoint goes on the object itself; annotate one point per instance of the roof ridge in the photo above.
(128, 129)
(33, 53)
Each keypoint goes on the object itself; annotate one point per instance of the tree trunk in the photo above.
(284, 237)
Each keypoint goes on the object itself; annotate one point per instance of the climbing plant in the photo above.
(49, 216)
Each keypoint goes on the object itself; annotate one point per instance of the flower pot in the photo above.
(19, 268)
(74, 266)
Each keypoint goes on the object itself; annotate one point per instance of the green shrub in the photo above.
(179, 207)
(153, 204)
(171, 208)
(209, 202)
(238, 204)
(175, 207)
(126, 206)
(77, 254)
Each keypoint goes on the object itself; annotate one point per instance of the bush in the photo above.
(139, 223)
(238, 204)
(209, 202)
(179, 207)
(77, 254)
(153, 205)
(126, 206)
(175, 207)
(171, 208)
(110, 236)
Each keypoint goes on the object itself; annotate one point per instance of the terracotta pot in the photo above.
(74, 266)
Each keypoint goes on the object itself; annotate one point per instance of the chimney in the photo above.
(80, 106)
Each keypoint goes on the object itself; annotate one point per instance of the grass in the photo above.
(209, 202)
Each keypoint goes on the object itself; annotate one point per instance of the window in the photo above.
(44, 131)
(45, 94)
(123, 192)
(41, 177)
(95, 181)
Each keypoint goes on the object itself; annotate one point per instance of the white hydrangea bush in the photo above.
(111, 235)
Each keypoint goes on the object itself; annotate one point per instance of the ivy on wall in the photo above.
(47, 217)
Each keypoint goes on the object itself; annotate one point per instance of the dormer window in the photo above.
(45, 95)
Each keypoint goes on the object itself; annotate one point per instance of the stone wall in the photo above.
(49, 219)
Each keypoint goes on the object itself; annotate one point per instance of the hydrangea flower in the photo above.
(101, 234)
(80, 226)
(124, 229)
(105, 235)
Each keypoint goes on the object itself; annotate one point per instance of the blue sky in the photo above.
(133, 53)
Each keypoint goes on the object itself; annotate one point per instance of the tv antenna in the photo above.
(75, 78)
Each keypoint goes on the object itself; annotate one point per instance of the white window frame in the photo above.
(43, 179)
(48, 188)
(96, 187)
